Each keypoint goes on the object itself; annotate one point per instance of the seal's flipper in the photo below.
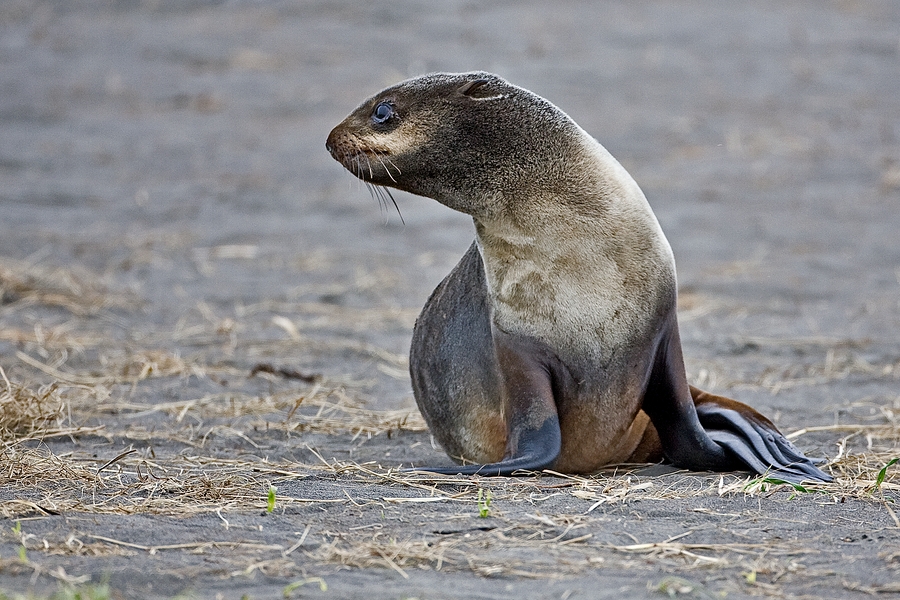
(753, 439)
(700, 431)
(536, 450)
(453, 364)
(534, 440)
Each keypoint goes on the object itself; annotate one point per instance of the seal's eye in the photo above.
(383, 111)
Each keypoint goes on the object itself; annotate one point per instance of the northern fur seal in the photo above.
(554, 342)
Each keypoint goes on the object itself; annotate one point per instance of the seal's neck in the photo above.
(590, 200)
(585, 252)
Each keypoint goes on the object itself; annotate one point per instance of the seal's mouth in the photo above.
(345, 149)
(371, 165)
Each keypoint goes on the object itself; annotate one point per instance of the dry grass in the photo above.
(134, 484)
(155, 479)
(328, 410)
(829, 360)
(393, 554)
(24, 412)
(532, 544)
(838, 363)
(77, 290)
(483, 556)
(146, 484)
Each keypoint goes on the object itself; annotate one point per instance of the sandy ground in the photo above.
(173, 233)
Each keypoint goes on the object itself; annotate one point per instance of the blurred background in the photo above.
(191, 288)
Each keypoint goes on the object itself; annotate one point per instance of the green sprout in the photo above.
(676, 586)
(883, 472)
(289, 588)
(67, 591)
(270, 501)
(762, 481)
(23, 552)
(484, 503)
(89, 591)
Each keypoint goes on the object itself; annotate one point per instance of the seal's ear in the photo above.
(479, 89)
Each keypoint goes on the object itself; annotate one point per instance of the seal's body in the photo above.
(554, 342)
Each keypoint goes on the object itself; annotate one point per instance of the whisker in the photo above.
(380, 193)
(376, 194)
(357, 167)
(386, 170)
(359, 170)
(381, 158)
(394, 202)
(399, 172)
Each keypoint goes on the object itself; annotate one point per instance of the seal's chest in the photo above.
(587, 311)
(579, 284)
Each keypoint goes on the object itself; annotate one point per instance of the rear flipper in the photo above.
(702, 431)
(753, 439)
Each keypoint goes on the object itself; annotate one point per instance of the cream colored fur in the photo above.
(586, 267)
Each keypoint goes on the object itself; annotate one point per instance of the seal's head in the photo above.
(471, 141)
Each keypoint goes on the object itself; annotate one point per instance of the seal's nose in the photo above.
(329, 142)
(340, 145)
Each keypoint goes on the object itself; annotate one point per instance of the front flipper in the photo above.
(537, 449)
(701, 431)
(533, 438)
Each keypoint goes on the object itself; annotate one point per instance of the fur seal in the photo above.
(553, 344)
